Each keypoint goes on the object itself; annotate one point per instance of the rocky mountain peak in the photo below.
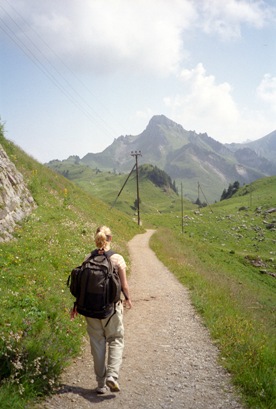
(187, 157)
(159, 121)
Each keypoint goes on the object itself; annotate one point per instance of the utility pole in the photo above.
(182, 214)
(123, 186)
(199, 187)
(136, 154)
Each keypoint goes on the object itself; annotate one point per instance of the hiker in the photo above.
(109, 332)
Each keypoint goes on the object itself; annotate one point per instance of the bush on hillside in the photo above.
(232, 189)
(158, 177)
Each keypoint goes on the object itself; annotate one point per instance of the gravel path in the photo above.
(169, 359)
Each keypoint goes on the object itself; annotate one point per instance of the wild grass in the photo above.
(108, 185)
(37, 338)
(215, 257)
(219, 257)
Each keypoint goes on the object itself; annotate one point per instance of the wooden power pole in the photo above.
(136, 154)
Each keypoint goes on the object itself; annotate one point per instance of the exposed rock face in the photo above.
(16, 201)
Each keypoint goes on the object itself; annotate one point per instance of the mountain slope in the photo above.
(160, 137)
(189, 158)
(264, 147)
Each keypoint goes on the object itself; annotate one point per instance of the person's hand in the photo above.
(127, 304)
(73, 313)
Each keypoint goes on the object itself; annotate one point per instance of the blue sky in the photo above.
(75, 74)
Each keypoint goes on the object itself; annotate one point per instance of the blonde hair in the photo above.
(103, 237)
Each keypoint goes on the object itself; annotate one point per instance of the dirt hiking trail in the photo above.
(169, 360)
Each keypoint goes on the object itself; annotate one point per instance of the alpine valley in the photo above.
(191, 159)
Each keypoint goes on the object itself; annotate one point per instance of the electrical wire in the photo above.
(69, 92)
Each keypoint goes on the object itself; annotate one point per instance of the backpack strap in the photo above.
(115, 304)
(114, 312)
(107, 253)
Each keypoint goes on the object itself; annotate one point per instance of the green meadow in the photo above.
(224, 254)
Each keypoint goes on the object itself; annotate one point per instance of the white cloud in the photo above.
(204, 105)
(141, 37)
(104, 36)
(128, 36)
(226, 17)
(266, 91)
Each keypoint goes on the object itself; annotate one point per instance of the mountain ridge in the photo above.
(265, 146)
(189, 157)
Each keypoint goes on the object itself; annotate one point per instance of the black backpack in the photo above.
(96, 286)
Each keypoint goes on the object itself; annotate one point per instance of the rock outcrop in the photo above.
(16, 201)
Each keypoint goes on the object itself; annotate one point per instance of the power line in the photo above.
(28, 52)
(79, 102)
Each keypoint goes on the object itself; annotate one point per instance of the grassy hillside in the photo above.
(36, 336)
(107, 186)
(226, 256)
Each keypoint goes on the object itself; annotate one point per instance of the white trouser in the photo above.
(100, 335)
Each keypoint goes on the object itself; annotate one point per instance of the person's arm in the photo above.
(125, 287)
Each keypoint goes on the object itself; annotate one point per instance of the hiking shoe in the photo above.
(112, 384)
(101, 390)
